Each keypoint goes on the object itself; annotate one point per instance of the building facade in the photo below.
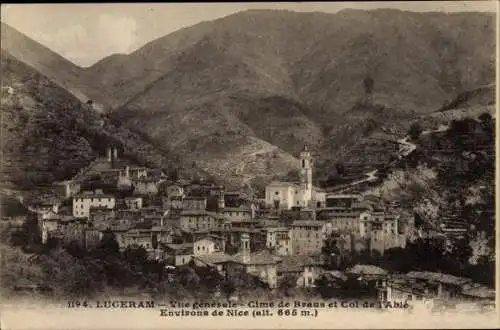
(285, 195)
(308, 237)
(83, 202)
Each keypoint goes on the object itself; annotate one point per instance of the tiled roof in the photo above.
(367, 270)
(318, 189)
(273, 229)
(214, 258)
(280, 183)
(160, 228)
(256, 258)
(245, 230)
(93, 194)
(236, 209)
(181, 248)
(207, 238)
(439, 277)
(194, 212)
(295, 263)
(480, 292)
(308, 223)
(334, 274)
(120, 228)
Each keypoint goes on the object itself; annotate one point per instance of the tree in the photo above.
(28, 237)
(287, 283)
(486, 122)
(396, 260)
(188, 277)
(108, 246)
(368, 84)
(75, 249)
(330, 286)
(459, 253)
(415, 131)
(340, 169)
(228, 287)
(136, 256)
(331, 251)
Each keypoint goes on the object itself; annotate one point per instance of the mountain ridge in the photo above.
(277, 80)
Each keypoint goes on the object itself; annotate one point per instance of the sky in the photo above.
(86, 33)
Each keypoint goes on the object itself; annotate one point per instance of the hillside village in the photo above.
(171, 200)
(286, 235)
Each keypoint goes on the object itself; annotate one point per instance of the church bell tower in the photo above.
(306, 176)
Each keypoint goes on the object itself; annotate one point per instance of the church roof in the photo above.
(318, 189)
(282, 183)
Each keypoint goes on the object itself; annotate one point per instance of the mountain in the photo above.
(60, 70)
(48, 134)
(276, 80)
(239, 96)
(42, 128)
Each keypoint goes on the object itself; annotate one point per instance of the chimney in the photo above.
(108, 154)
(245, 247)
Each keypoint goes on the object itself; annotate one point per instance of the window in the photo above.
(276, 193)
(303, 163)
(409, 297)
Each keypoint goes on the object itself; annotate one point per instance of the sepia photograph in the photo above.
(291, 165)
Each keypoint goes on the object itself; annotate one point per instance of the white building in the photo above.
(205, 246)
(285, 195)
(133, 203)
(84, 201)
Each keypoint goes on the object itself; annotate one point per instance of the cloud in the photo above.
(87, 42)
(119, 33)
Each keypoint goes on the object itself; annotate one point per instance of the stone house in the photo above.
(261, 264)
(308, 237)
(279, 240)
(302, 267)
